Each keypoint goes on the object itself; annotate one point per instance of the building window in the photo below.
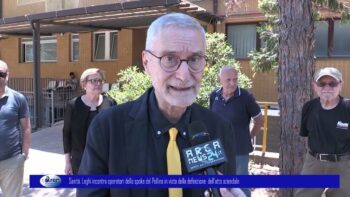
(341, 40)
(321, 38)
(48, 49)
(74, 47)
(242, 39)
(105, 45)
(332, 39)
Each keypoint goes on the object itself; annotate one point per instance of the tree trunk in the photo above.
(296, 67)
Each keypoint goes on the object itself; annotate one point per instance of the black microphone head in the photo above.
(204, 152)
(198, 133)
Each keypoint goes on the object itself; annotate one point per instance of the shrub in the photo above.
(131, 84)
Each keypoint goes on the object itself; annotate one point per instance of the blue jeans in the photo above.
(242, 169)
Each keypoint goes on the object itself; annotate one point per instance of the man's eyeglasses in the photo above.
(170, 63)
(3, 74)
(96, 81)
(331, 84)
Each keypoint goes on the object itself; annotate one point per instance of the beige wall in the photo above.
(265, 84)
(84, 3)
(139, 40)
(10, 52)
(240, 7)
(11, 9)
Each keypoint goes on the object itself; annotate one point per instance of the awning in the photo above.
(133, 14)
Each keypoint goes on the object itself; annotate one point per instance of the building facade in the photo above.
(113, 48)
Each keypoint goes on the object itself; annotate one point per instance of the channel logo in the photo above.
(50, 181)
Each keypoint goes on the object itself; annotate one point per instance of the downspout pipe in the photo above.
(215, 7)
(1, 9)
(215, 12)
(36, 73)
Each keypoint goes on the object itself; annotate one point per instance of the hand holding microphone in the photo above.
(205, 154)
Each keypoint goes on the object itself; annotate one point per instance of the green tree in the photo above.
(132, 82)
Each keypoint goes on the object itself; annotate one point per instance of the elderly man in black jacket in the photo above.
(133, 137)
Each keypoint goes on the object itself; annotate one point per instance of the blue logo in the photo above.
(50, 181)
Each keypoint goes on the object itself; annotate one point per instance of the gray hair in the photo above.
(4, 64)
(178, 20)
(227, 68)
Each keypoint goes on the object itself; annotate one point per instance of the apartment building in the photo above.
(110, 34)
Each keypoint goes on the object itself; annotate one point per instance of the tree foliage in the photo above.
(132, 82)
(266, 58)
(334, 5)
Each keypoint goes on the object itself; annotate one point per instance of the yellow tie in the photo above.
(173, 161)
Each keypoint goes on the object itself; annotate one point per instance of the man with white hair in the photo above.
(325, 121)
(238, 106)
(15, 136)
(141, 136)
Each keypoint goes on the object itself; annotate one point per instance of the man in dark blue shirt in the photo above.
(238, 106)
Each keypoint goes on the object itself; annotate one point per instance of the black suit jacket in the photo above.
(75, 127)
(117, 144)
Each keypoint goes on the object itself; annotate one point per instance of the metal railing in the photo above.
(54, 96)
(25, 84)
(53, 105)
(265, 106)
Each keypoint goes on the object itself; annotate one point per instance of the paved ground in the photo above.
(45, 157)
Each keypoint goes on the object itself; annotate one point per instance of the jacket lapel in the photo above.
(137, 131)
(136, 147)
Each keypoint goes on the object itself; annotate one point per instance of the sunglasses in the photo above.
(3, 74)
(330, 84)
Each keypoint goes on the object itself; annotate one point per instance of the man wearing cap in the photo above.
(325, 121)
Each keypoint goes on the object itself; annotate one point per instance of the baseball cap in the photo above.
(328, 71)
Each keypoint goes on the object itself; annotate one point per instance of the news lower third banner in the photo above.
(184, 181)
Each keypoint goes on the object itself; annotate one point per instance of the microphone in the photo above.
(204, 153)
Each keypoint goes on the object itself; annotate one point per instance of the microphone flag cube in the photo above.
(204, 155)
